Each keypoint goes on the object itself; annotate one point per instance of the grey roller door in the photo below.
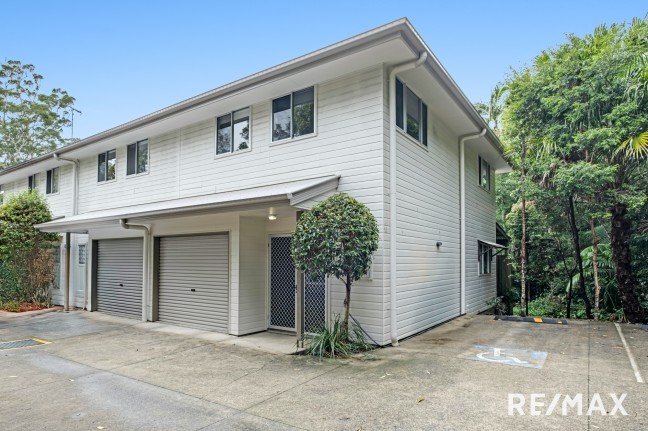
(119, 276)
(193, 283)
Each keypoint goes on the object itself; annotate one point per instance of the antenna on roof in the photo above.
(72, 122)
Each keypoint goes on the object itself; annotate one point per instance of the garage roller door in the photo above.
(119, 276)
(193, 284)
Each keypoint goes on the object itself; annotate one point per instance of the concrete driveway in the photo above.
(100, 372)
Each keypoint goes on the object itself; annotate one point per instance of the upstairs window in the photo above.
(233, 132)
(106, 166)
(484, 174)
(411, 113)
(32, 182)
(52, 184)
(485, 258)
(137, 158)
(293, 115)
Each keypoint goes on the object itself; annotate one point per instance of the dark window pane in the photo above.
(413, 115)
(101, 167)
(111, 157)
(131, 157)
(142, 156)
(303, 112)
(424, 115)
(399, 104)
(224, 134)
(48, 182)
(241, 130)
(281, 118)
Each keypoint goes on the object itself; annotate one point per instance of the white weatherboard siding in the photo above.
(428, 291)
(253, 263)
(480, 225)
(348, 142)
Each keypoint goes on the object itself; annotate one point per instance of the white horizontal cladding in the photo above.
(480, 226)
(428, 230)
(192, 205)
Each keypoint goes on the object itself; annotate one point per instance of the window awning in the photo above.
(492, 245)
(292, 193)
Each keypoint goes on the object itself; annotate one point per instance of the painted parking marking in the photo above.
(506, 356)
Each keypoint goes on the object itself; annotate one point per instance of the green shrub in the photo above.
(334, 341)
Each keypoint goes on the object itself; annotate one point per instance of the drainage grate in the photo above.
(533, 319)
(19, 344)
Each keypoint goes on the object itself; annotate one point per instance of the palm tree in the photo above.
(492, 111)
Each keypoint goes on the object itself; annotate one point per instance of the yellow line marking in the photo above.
(24, 347)
(537, 319)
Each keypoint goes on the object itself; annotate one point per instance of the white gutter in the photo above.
(145, 269)
(462, 215)
(393, 154)
(75, 210)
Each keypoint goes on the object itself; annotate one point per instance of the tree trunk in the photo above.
(569, 296)
(597, 286)
(347, 303)
(523, 290)
(579, 259)
(619, 236)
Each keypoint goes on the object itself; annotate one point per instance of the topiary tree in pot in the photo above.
(337, 237)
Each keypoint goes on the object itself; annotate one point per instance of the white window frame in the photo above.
(148, 158)
(485, 258)
(231, 113)
(49, 181)
(32, 182)
(106, 162)
(424, 120)
(487, 185)
(292, 137)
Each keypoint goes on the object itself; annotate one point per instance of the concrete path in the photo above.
(100, 372)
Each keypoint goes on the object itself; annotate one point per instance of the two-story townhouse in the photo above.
(184, 216)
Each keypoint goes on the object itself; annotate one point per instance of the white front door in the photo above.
(78, 257)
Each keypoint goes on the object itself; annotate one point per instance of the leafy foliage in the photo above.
(336, 237)
(26, 261)
(335, 341)
(575, 124)
(31, 122)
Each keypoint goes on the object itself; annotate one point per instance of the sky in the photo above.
(125, 59)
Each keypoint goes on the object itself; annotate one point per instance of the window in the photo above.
(293, 115)
(233, 132)
(411, 113)
(484, 174)
(485, 258)
(137, 158)
(82, 254)
(32, 182)
(106, 166)
(52, 185)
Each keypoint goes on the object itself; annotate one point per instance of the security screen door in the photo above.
(282, 284)
(283, 291)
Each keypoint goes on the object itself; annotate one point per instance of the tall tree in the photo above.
(31, 121)
(492, 111)
(574, 99)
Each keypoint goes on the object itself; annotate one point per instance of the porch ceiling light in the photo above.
(272, 217)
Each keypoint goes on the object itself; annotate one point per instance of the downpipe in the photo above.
(462, 213)
(75, 210)
(145, 268)
(393, 196)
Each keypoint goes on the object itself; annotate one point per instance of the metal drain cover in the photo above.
(18, 344)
